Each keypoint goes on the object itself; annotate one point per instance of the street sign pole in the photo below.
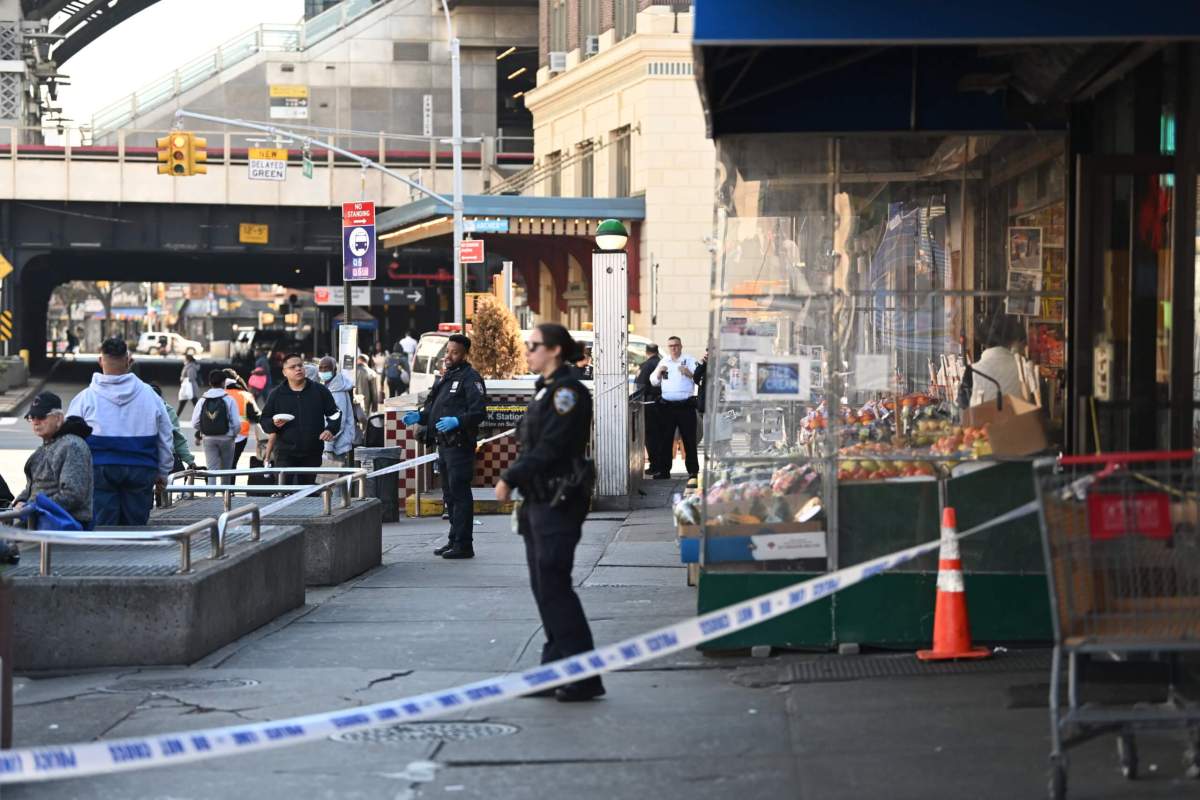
(460, 285)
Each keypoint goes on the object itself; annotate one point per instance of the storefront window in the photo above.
(886, 309)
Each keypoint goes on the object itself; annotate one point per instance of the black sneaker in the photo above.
(446, 548)
(458, 552)
(574, 693)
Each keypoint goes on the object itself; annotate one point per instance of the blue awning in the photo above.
(812, 22)
(799, 66)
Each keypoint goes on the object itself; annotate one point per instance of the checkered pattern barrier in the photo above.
(491, 459)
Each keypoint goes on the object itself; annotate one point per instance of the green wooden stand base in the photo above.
(1006, 590)
(892, 610)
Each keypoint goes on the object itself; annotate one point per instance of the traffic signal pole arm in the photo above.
(363, 161)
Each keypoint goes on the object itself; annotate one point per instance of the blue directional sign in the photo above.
(358, 241)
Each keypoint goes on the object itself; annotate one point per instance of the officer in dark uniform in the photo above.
(452, 414)
(555, 482)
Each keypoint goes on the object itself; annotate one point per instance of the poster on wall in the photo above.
(1023, 282)
(1024, 269)
(1025, 249)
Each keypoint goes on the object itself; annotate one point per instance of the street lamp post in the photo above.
(456, 150)
(610, 366)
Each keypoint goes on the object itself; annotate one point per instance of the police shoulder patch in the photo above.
(565, 400)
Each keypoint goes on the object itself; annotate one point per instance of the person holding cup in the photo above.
(304, 416)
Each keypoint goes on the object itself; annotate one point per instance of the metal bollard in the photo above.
(344, 490)
(44, 559)
(327, 500)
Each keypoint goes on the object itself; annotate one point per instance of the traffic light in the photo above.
(173, 151)
(197, 155)
(181, 154)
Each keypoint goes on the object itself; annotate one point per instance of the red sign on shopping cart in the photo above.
(1112, 516)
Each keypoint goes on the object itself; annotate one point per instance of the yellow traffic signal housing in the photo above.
(197, 155)
(175, 153)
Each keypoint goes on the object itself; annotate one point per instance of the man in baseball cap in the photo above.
(61, 469)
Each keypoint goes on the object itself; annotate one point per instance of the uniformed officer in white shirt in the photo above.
(675, 375)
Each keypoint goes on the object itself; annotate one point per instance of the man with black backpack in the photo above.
(216, 419)
(395, 372)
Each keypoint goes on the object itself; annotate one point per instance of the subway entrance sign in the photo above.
(358, 241)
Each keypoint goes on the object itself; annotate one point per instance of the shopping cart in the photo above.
(1121, 536)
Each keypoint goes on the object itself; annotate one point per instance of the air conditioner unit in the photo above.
(558, 61)
(591, 45)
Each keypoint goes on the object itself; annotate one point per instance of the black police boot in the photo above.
(446, 548)
(579, 692)
(459, 552)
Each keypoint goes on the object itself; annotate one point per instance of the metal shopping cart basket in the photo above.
(1121, 537)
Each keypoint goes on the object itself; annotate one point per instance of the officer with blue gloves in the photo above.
(452, 414)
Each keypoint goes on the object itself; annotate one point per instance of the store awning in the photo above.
(893, 22)
(901, 65)
(503, 214)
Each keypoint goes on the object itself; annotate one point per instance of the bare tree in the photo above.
(76, 293)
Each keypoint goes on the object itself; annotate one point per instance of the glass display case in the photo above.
(888, 318)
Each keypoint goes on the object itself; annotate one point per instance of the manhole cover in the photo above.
(153, 685)
(427, 731)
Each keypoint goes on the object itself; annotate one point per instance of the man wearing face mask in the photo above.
(456, 406)
(342, 389)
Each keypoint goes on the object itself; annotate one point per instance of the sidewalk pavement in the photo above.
(688, 726)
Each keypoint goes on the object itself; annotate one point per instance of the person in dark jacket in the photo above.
(552, 474)
(452, 414)
(650, 395)
(303, 415)
(61, 468)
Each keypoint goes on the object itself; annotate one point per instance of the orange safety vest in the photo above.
(241, 399)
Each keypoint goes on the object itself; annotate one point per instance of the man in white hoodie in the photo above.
(216, 419)
(131, 440)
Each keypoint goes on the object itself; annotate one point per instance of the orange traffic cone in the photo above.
(951, 631)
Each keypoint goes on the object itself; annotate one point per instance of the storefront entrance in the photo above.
(1132, 321)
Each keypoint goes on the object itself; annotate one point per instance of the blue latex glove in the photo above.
(411, 418)
(446, 424)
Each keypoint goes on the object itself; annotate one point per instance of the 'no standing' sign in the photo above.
(358, 241)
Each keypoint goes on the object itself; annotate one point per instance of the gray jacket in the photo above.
(61, 469)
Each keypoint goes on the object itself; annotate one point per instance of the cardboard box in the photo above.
(1017, 429)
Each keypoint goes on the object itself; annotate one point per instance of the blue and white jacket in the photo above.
(130, 425)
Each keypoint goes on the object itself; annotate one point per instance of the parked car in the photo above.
(167, 343)
(431, 349)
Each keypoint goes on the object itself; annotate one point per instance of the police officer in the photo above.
(555, 485)
(455, 408)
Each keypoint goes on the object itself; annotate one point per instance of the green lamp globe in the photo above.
(611, 235)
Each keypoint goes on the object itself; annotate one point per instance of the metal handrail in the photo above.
(228, 517)
(348, 477)
(181, 536)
